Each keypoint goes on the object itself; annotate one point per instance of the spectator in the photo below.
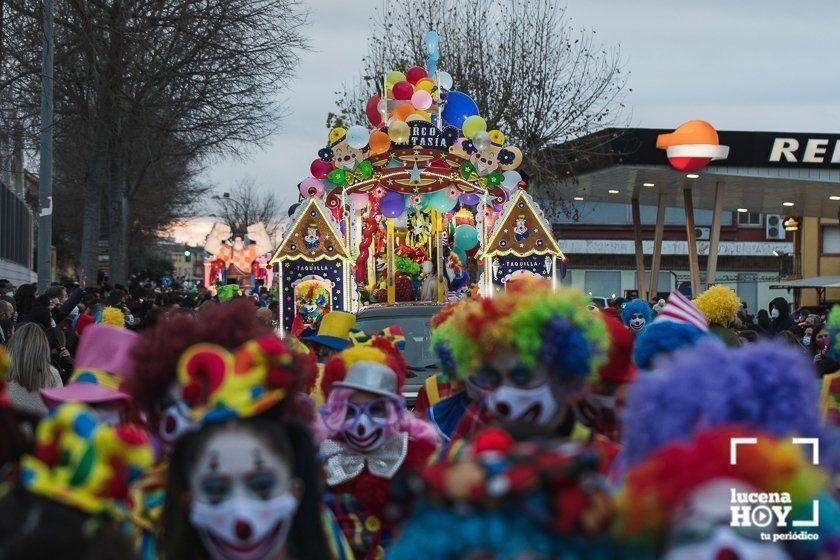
(24, 299)
(30, 369)
(780, 320)
(7, 325)
(820, 344)
(64, 304)
(748, 336)
(6, 288)
(762, 322)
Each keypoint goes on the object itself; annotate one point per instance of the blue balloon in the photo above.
(466, 237)
(458, 107)
(432, 42)
(440, 202)
(462, 256)
(392, 204)
(431, 65)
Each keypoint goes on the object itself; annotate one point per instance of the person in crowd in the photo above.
(679, 325)
(6, 288)
(821, 344)
(31, 370)
(70, 499)
(762, 322)
(780, 319)
(64, 303)
(636, 315)
(747, 336)
(720, 306)
(24, 299)
(7, 323)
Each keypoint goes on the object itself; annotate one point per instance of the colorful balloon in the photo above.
(481, 140)
(320, 168)
(403, 90)
(359, 200)
(392, 204)
(357, 137)
(517, 158)
(469, 199)
(510, 179)
(421, 99)
(393, 77)
(426, 84)
(372, 110)
(472, 125)
(311, 188)
(458, 107)
(402, 112)
(379, 142)
(399, 132)
(414, 117)
(462, 256)
(441, 202)
(445, 80)
(415, 74)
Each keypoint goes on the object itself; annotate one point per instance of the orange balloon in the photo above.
(403, 111)
(426, 84)
(379, 142)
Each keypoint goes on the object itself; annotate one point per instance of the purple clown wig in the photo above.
(763, 386)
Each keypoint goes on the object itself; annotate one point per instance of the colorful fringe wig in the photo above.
(764, 386)
(636, 306)
(719, 304)
(833, 324)
(541, 326)
(377, 349)
(653, 490)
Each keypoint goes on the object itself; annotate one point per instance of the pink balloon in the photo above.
(311, 188)
(359, 200)
(319, 168)
(459, 144)
(403, 90)
(421, 99)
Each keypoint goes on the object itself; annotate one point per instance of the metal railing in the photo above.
(16, 228)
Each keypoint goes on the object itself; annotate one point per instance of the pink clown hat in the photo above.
(102, 365)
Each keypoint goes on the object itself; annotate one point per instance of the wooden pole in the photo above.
(691, 238)
(640, 255)
(657, 245)
(714, 238)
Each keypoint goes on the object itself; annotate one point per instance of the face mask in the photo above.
(822, 342)
(244, 529)
(806, 340)
(528, 406)
(366, 436)
(774, 313)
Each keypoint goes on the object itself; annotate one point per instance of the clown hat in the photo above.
(680, 310)
(372, 377)
(334, 331)
(102, 366)
(336, 135)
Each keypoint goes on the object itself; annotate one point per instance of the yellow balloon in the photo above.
(426, 84)
(414, 117)
(472, 125)
(517, 159)
(399, 132)
(420, 116)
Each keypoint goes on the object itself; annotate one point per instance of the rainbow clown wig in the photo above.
(541, 326)
(719, 304)
(765, 387)
(653, 491)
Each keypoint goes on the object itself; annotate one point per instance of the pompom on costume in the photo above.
(690, 484)
(364, 451)
(680, 324)
(637, 315)
(84, 463)
(764, 387)
(509, 500)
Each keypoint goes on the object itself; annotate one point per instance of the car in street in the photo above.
(413, 319)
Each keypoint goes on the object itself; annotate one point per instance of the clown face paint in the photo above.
(637, 322)
(243, 498)
(701, 528)
(369, 422)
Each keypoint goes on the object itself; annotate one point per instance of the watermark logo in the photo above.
(772, 510)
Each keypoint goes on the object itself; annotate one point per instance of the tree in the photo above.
(145, 86)
(245, 206)
(533, 76)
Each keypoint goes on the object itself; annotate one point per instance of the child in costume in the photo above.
(677, 503)
(368, 439)
(636, 315)
(242, 482)
(506, 501)
(71, 497)
(720, 306)
(531, 350)
(680, 324)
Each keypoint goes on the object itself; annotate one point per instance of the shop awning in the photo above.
(816, 282)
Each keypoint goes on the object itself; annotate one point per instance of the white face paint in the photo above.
(365, 436)
(701, 528)
(526, 406)
(243, 501)
(637, 322)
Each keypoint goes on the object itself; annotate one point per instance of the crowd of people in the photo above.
(147, 423)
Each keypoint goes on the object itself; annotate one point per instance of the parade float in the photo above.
(233, 259)
(425, 202)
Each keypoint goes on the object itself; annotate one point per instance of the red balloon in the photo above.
(415, 74)
(372, 110)
(403, 91)
(320, 169)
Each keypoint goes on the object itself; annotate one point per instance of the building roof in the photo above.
(819, 282)
(328, 244)
(538, 239)
(615, 165)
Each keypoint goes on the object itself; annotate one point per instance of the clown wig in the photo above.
(833, 324)
(764, 386)
(381, 350)
(719, 304)
(653, 491)
(540, 326)
(664, 337)
(636, 306)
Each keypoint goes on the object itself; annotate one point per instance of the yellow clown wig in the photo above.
(719, 304)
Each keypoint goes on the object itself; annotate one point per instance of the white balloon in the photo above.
(481, 140)
(382, 107)
(357, 137)
(445, 80)
(401, 221)
(510, 179)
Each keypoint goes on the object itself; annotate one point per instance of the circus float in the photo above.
(424, 203)
(234, 259)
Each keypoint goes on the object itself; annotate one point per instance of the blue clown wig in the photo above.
(636, 306)
(764, 386)
(443, 534)
(663, 337)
